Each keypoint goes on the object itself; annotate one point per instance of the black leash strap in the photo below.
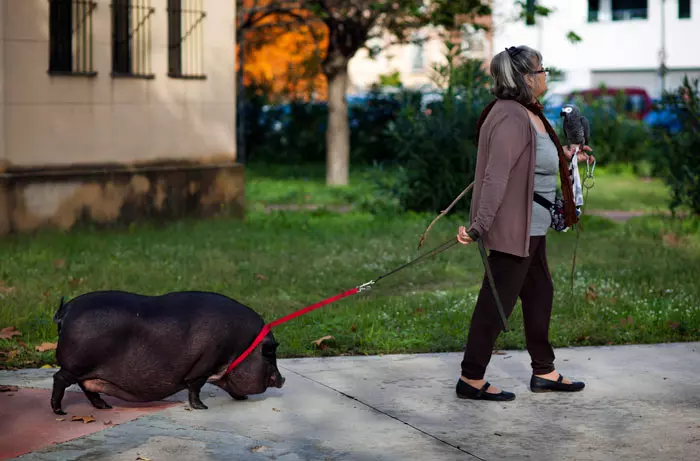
(445, 246)
(489, 275)
(448, 244)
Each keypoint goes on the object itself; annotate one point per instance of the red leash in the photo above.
(266, 329)
(286, 318)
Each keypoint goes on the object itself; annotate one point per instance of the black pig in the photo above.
(145, 348)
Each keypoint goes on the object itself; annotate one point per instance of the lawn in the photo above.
(614, 189)
(636, 282)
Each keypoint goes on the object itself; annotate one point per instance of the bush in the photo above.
(677, 159)
(435, 149)
(615, 138)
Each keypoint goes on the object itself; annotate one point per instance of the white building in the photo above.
(116, 110)
(414, 62)
(622, 41)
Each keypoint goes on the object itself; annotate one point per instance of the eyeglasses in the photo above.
(542, 71)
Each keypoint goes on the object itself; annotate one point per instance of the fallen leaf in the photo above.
(674, 325)
(107, 423)
(59, 263)
(12, 354)
(6, 289)
(46, 366)
(671, 239)
(260, 277)
(499, 353)
(353, 328)
(188, 409)
(60, 419)
(142, 458)
(591, 294)
(320, 340)
(258, 448)
(74, 282)
(46, 294)
(276, 409)
(46, 347)
(9, 332)
(4, 388)
(583, 338)
(84, 419)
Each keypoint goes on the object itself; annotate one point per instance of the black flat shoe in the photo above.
(538, 384)
(465, 391)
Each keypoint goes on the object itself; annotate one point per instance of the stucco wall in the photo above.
(59, 120)
(114, 150)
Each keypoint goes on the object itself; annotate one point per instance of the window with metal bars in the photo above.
(131, 38)
(70, 37)
(186, 39)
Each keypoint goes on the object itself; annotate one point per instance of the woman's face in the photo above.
(537, 80)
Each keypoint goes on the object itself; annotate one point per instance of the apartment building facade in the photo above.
(116, 110)
(624, 43)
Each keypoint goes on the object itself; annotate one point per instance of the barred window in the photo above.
(131, 38)
(70, 37)
(186, 39)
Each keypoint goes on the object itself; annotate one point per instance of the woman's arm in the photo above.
(506, 143)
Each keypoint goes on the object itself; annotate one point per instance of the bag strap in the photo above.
(543, 201)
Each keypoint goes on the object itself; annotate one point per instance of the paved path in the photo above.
(641, 403)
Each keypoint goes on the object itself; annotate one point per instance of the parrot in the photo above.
(576, 127)
(577, 131)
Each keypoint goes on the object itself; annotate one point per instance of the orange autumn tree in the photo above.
(282, 50)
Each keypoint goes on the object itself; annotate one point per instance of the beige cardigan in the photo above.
(501, 206)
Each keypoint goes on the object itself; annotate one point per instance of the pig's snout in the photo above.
(276, 380)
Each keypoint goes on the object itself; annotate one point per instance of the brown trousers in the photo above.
(514, 276)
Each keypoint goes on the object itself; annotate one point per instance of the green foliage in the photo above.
(615, 137)
(677, 158)
(435, 147)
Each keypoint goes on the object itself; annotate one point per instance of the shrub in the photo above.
(615, 138)
(677, 159)
(436, 148)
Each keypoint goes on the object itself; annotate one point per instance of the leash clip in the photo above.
(365, 286)
(589, 180)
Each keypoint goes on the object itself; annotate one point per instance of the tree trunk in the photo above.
(338, 131)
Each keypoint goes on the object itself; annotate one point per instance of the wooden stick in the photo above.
(444, 212)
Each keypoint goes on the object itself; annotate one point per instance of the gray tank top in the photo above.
(546, 169)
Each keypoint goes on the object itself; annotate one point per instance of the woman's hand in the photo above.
(581, 156)
(462, 236)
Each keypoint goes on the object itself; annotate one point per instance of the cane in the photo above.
(492, 283)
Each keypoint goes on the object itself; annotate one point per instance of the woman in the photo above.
(518, 154)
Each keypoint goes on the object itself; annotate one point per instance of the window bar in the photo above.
(187, 68)
(92, 7)
(136, 41)
(148, 52)
(75, 44)
(200, 44)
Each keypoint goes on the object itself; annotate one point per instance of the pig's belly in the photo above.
(141, 392)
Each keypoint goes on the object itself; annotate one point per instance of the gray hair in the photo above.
(508, 69)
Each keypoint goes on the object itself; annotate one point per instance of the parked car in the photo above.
(636, 104)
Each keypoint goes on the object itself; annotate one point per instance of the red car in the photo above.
(637, 103)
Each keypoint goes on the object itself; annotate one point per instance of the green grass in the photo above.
(280, 262)
(615, 188)
(620, 189)
(276, 262)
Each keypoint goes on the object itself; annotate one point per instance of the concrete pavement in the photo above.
(641, 402)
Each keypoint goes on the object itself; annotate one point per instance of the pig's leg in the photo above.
(194, 387)
(95, 399)
(62, 380)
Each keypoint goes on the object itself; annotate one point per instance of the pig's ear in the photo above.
(269, 346)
